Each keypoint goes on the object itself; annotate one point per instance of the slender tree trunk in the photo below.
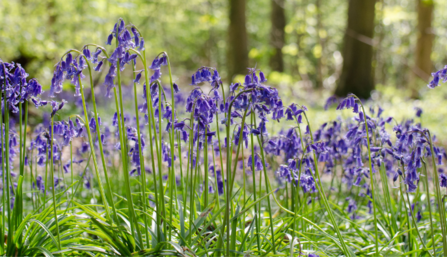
(378, 56)
(237, 45)
(300, 38)
(277, 34)
(423, 65)
(320, 64)
(357, 73)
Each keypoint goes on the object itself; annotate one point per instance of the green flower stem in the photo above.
(125, 165)
(220, 148)
(46, 179)
(244, 198)
(233, 175)
(98, 133)
(18, 202)
(440, 203)
(264, 167)
(427, 192)
(171, 140)
(257, 214)
(4, 174)
(303, 206)
(92, 147)
(71, 173)
(6, 160)
(104, 165)
(412, 216)
(371, 174)
(160, 163)
(140, 151)
(410, 233)
(53, 185)
(192, 208)
(228, 170)
(344, 247)
(205, 165)
(182, 181)
(150, 115)
(24, 144)
(190, 170)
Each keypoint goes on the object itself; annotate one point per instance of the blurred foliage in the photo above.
(37, 32)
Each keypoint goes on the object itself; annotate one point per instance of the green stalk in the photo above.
(440, 203)
(24, 142)
(132, 216)
(192, 208)
(172, 136)
(220, 148)
(427, 191)
(140, 151)
(303, 204)
(151, 126)
(220, 239)
(71, 171)
(371, 174)
(103, 197)
(388, 201)
(19, 196)
(261, 147)
(410, 233)
(46, 179)
(255, 218)
(190, 172)
(324, 199)
(6, 160)
(92, 148)
(205, 156)
(179, 148)
(53, 186)
(228, 171)
(150, 115)
(414, 219)
(160, 170)
(4, 199)
(101, 151)
(244, 198)
(216, 186)
(233, 175)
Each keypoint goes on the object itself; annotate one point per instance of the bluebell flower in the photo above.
(257, 162)
(418, 111)
(443, 180)
(98, 66)
(109, 39)
(57, 106)
(207, 74)
(437, 76)
(330, 101)
(137, 78)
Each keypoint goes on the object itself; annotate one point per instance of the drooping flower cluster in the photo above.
(69, 69)
(438, 76)
(204, 75)
(16, 88)
(122, 55)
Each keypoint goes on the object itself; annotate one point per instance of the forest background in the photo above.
(310, 49)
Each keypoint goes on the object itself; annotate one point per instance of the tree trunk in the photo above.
(357, 73)
(319, 81)
(237, 45)
(423, 65)
(277, 34)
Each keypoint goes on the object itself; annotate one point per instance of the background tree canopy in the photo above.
(295, 41)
